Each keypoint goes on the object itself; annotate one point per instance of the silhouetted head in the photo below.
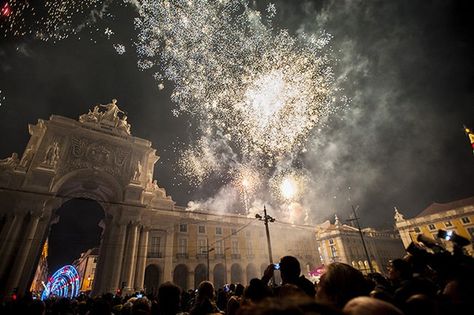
(398, 270)
(205, 291)
(340, 283)
(169, 296)
(290, 269)
(369, 306)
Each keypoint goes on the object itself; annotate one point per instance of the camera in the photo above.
(457, 240)
(276, 266)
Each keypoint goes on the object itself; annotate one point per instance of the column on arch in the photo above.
(129, 259)
(141, 257)
(102, 274)
(16, 273)
(9, 235)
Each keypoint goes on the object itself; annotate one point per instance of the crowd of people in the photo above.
(420, 283)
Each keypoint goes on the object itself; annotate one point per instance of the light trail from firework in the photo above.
(260, 89)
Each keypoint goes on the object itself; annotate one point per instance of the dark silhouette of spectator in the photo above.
(169, 296)
(221, 299)
(290, 271)
(382, 289)
(420, 304)
(294, 305)
(369, 306)
(405, 285)
(204, 303)
(341, 283)
(37, 307)
(141, 306)
(100, 306)
(239, 290)
(256, 291)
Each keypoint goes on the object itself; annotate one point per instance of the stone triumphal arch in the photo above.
(95, 157)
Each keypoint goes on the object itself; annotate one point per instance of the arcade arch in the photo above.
(200, 274)
(251, 272)
(219, 275)
(236, 273)
(152, 279)
(180, 276)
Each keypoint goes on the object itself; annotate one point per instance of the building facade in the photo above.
(85, 266)
(342, 243)
(146, 238)
(457, 216)
(232, 247)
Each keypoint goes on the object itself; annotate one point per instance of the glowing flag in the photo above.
(470, 134)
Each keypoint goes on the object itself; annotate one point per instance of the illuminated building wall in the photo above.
(342, 243)
(238, 249)
(86, 266)
(41, 273)
(457, 216)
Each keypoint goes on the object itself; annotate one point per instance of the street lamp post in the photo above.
(266, 218)
(356, 219)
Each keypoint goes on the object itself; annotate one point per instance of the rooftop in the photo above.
(443, 207)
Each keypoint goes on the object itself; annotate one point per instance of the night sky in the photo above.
(407, 67)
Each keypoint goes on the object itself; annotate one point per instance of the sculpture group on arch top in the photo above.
(109, 117)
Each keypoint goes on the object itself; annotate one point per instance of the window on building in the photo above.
(183, 228)
(202, 229)
(154, 245)
(331, 241)
(466, 220)
(233, 231)
(471, 232)
(249, 248)
(218, 230)
(235, 247)
(431, 227)
(202, 246)
(333, 251)
(417, 230)
(219, 248)
(448, 224)
(183, 246)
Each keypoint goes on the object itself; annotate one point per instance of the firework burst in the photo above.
(264, 89)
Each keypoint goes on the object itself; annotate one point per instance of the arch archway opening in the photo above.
(73, 239)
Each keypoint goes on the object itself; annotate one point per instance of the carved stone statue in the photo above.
(52, 154)
(10, 162)
(123, 125)
(138, 172)
(91, 116)
(152, 186)
(112, 111)
(27, 157)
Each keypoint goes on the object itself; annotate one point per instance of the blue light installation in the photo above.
(63, 283)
